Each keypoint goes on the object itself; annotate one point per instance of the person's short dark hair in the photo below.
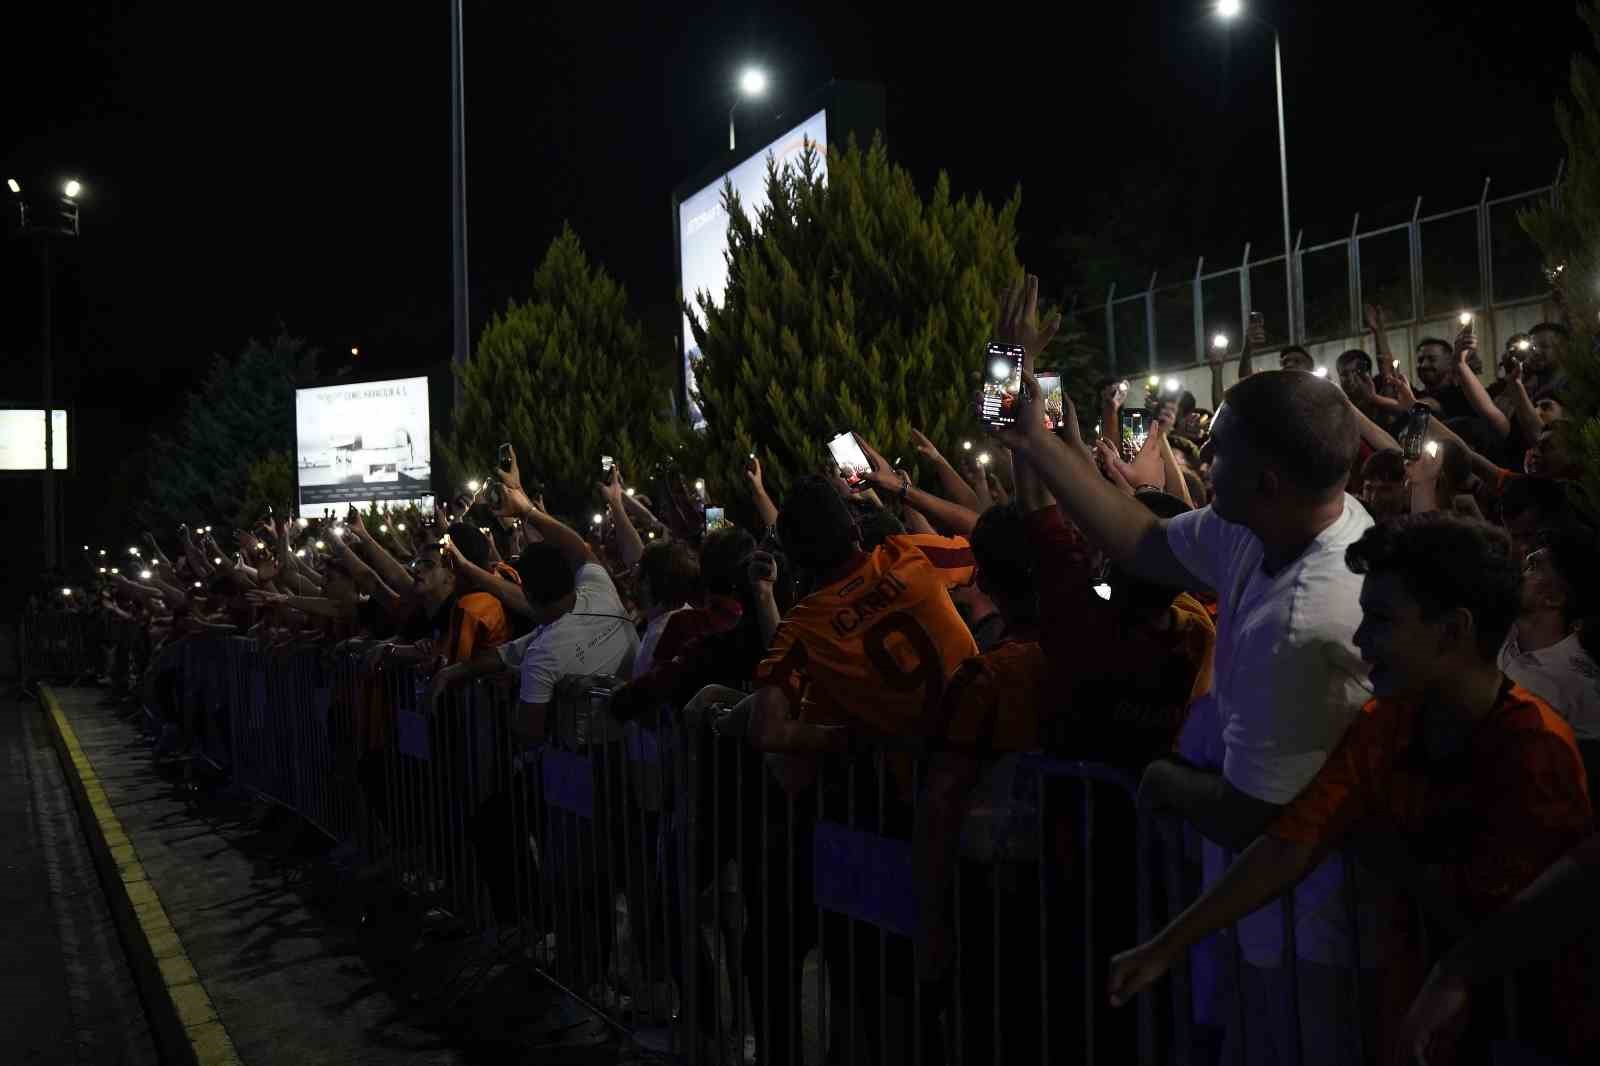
(1161, 504)
(815, 526)
(1291, 349)
(1301, 423)
(1446, 345)
(670, 569)
(724, 558)
(546, 574)
(1388, 465)
(1197, 488)
(483, 517)
(1572, 552)
(1190, 450)
(1356, 355)
(1004, 554)
(878, 526)
(1186, 403)
(1558, 328)
(471, 542)
(1446, 563)
(1545, 495)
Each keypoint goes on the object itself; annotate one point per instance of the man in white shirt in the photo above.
(1288, 678)
(1544, 653)
(581, 626)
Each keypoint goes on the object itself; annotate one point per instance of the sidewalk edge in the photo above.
(182, 1018)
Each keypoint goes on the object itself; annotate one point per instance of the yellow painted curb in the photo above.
(170, 977)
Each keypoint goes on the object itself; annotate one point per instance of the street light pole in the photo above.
(1283, 174)
(753, 82)
(459, 305)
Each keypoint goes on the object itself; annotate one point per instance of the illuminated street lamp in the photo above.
(1229, 10)
(16, 189)
(752, 84)
(71, 189)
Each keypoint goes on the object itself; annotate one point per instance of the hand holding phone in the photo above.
(1415, 433)
(851, 461)
(505, 458)
(1002, 380)
(1257, 333)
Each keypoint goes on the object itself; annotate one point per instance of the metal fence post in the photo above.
(1297, 313)
(1199, 313)
(1486, 269)
(1353, 262)
(1150, 321)
(1111, 330)
(1244, 290)
(1414, 235)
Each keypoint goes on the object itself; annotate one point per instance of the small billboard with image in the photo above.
(851, 461)
(362, 442)
(22, 439)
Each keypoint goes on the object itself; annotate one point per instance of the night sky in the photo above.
(292, 163)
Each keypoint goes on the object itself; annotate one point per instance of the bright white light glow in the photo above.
(1465, 319)
(114, 570)
(1220, 342)
(102, 551)
(999, 369)
(983, 458)
(217, 561)
(1321, 371)
(1229, 8)
(627, 492)
(1524, 345)
(321, 545)
(1103, 591)
(1173, 385)
(1397, 364)
(302, 522)
(355, 351)
(66, 592)
(102, 569)
(133, 551)
(598, 519)
(699, 485)
(383, 529)
(966, 445)
(144, 575)
(753, 82)
(197, 584)
(11, 183)
(474, 485)
(300, 553)
(71, 188)
(1432, 448)
(401, 527)
(1153, 380)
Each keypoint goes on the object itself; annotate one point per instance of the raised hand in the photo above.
(611, 487)
(1255, 334)
(512, 478)
(752, 473)
(1374, 317)
(1019, 320)
(880, 475)
(925, 447)
(1110, 460)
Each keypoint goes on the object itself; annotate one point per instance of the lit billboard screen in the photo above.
(362, 443)
(703, 228)
(22, 439)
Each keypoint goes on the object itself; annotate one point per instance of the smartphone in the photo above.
(1415, 432)
(851, 460)
(504, 457)
(1135, 427)
(1002, 380)
(1258, 320)
(1050, 393)
(715, 519)
(606, 463)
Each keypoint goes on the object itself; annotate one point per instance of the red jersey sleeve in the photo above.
(950, 555)
(1344, 791)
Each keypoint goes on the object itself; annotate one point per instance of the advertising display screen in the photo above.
(22, 439)
(703, 228)
(362, 443)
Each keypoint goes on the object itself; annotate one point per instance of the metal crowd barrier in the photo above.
(657, 871)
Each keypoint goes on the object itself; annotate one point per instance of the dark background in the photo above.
(246, 166)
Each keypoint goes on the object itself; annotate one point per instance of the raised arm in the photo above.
(766, 510)
(629, 546)
(1477, 395)
(952, 517)
(384, 567)
(955, 486)
(1522, 407)
(509, 593)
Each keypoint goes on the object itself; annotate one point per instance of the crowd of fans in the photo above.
(1322, 614)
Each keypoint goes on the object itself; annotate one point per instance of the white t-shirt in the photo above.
(1288, 677)
(1563, 675)
(596, 637)
(1288, 681)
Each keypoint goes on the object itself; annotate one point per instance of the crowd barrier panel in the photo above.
(656, 869)
(58, 645)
